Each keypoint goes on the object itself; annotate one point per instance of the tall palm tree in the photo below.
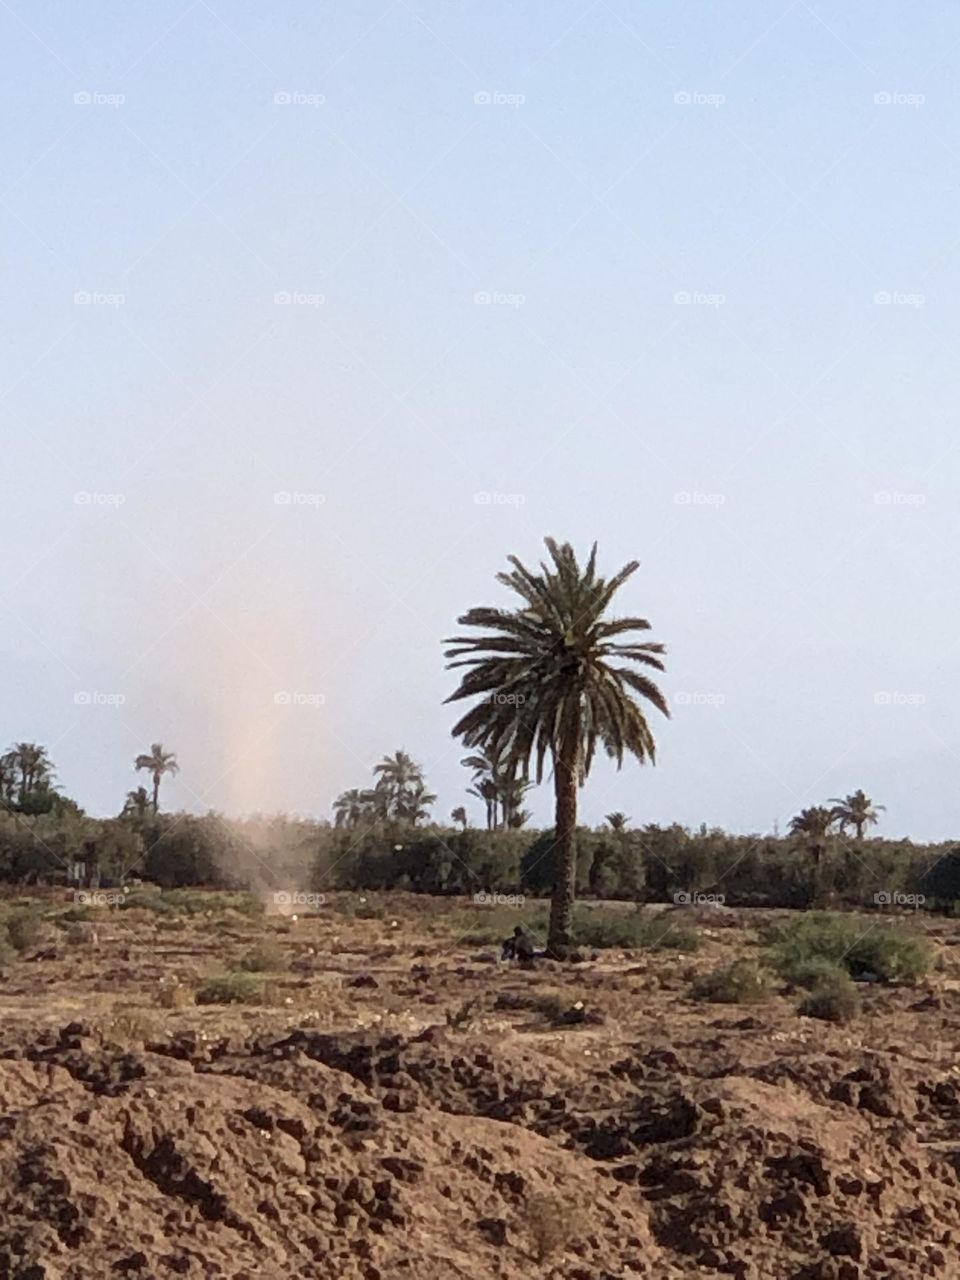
(617, 820)
(459, 815)
(157, 763)
(553, 678)
(857, 811)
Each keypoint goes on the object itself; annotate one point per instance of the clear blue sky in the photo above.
(784, 167)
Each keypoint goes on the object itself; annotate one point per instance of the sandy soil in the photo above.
(403, 1105)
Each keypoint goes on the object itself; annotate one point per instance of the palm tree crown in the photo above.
(157, 762)
(857, 811)
(553, 677)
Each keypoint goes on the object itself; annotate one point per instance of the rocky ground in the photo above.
(398, 1103)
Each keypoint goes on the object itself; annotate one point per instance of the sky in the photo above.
(316, 313)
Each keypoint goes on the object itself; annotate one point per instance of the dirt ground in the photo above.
(399, 1103)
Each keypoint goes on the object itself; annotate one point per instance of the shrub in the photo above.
(832, 999)
(25, 929)
(602, 929)
(814, 972)
(552, 1224)
(266, 957)
(175, 996)
(742, 982)
(231, 988)
(893, 954)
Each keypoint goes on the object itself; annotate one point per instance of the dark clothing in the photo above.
(519, 948)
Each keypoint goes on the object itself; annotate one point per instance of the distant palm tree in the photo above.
(33, 766)
(352, 807)
(415, 805)
(815, 824)
(157, 763)
(857, 811)
(617, 820)
(137, 804)
(459, 815)
(401, 791)
(495, 784)
(8, 778)
(549, 680)
(485, 789)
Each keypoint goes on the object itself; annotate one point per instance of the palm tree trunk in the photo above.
(565, 879)
(156, 793)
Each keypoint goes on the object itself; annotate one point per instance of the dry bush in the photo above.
(265, 957)
(129, 1026)
(175, 996)
(82, 934)
(551, 1223)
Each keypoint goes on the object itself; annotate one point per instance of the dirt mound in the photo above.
(143, 1164)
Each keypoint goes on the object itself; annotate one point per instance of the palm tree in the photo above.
(815, 824)
(415, 805)
(137, 804)
(857, 811)
(33, 765)
(495, 784)
(551, 680)
(8, 778)
(401, 791)
(352, 807)
(617, 820)
(459, 815)
(485, 786)
(486, 790)
(158, 762)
